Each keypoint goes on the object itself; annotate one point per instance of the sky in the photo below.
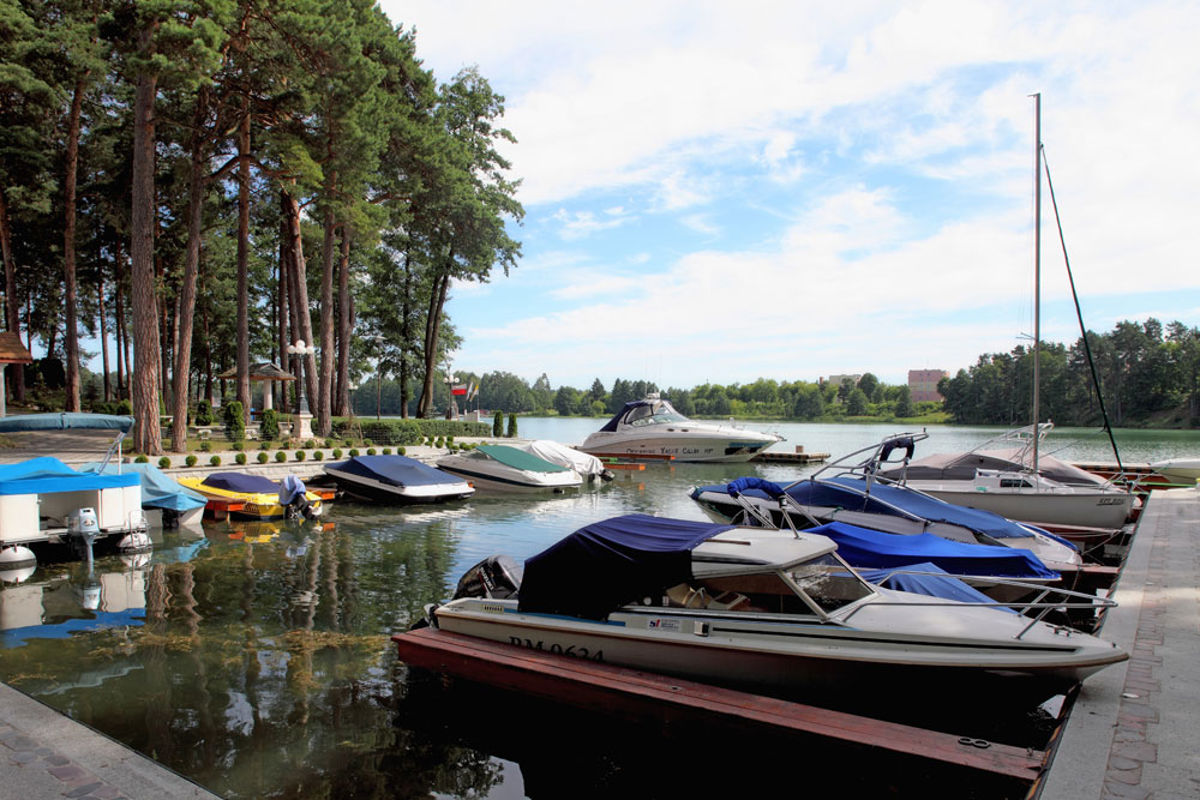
(718, 192)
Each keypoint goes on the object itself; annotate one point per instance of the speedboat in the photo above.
(255, 497)
(396, 479)
(763, 608)
(1001, 479)
(588, 466)
(653, 428)
(848, 490)
(502, 468)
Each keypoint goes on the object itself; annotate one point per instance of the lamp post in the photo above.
(300, 349)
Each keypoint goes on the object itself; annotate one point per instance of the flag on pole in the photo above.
(459, 390)
(472, 390)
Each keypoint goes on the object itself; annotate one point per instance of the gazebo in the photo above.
(266, 371)
(11, 352)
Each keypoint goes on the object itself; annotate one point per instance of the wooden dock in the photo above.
(798, 457)
(664, 700)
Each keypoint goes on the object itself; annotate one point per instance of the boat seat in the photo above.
(686, 596)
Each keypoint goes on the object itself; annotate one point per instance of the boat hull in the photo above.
(823, 662)
(391, 494)
(736, 447)
(513, 480)
(254, 505)
(1083, 509)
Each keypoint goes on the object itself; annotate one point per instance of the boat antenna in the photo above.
(1087, 348)
(1037, 269)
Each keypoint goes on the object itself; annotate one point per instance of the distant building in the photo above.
(922, 384)
(837, 380)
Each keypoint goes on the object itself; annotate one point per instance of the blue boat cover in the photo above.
(605, 565)
(46, 475)
(871, 549)
(64, 421)
(241, 482)
(851, 494)
(397, 470)
(159, 490)
(946, 587)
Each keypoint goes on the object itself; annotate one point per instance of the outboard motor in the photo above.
(495, 577)
(294, 498)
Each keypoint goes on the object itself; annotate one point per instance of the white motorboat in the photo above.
(502, 468)
(849, 490)
(1002, 480)
(762, 608)
(588, 466)
(653, 428)
(396, 479)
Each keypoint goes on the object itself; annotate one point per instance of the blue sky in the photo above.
(721, 191)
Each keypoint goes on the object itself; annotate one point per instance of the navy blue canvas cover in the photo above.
(397, 470)
(241, 482)
(605, 565)
(870, 549)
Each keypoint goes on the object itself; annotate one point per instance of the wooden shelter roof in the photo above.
(262, 371)
(11, 349)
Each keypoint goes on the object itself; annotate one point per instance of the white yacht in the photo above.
(652, 428)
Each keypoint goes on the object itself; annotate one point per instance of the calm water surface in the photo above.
(255, 659)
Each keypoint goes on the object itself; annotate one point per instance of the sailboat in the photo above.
(1011, 481)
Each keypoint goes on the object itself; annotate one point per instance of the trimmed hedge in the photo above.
(409, 431)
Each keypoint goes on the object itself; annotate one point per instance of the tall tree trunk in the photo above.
(405, 332)
(284, 325)
(119, 318)
(103, 334)
(325, 384)
(12, 306)
(299, 294)
(71, 401)
(343, 377)
(147, 435)
(433, 325)
(243, 256)
(197, 180)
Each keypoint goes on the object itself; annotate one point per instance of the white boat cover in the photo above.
(548, 450)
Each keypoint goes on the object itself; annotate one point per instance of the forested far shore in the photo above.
(1149, 373)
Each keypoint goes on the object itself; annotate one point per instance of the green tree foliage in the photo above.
(1144, 371)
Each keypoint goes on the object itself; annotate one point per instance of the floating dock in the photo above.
(781, 457)
(633, 694)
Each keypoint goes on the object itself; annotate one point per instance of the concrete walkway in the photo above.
(1135, 729)
(44, 754)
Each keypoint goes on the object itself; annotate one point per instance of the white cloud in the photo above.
(883, 150)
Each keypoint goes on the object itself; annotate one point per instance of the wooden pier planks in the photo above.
(636, 695)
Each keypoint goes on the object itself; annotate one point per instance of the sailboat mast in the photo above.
(1037, 272)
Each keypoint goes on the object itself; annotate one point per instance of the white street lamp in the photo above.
(300, 349)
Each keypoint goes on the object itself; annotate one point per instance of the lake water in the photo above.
(255, 658)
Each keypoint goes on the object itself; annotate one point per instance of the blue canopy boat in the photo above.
(855, 496)
(396, 479)
(162, 496)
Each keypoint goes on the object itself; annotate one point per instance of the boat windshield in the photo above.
(828, 583)
(658, 414)
(824, 583)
